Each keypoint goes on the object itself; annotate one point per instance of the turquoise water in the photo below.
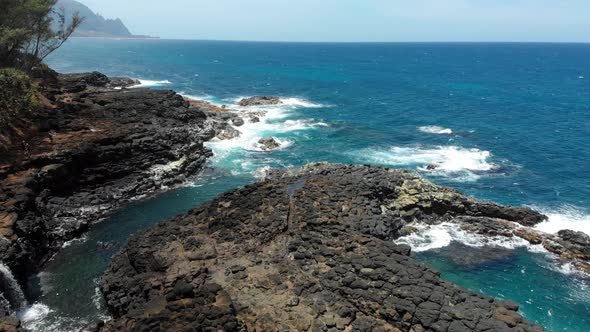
(508, 123)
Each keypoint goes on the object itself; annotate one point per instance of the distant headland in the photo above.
(95, 25)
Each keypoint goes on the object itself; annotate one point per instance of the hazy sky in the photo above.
(354, 20)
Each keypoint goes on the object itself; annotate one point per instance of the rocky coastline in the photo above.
(306, 249)
(94, 147)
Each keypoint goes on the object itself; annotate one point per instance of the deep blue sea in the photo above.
(509, 123)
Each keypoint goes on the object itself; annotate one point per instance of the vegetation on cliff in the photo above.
(17, 95)
(30, 30)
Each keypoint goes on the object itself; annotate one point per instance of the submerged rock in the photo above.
(473, 257)
(260, 101)
(432, 167)
(307, 249)
(268, 143)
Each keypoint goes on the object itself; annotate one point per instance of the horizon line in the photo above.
(336, 42)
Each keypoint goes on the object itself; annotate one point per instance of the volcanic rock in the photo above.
(306, 249)
(228, 133)
(95, 150)
(268, 143)
(237, 121)
(78, 82)
(122, 82)
(576, 241)
(260, 101)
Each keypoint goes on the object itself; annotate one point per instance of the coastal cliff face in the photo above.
(307, 249)
(96, 147)
(93, 25)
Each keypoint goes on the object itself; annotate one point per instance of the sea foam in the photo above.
(33, 317)
(150, 83)
(429, 237)
(447, 161)
(435, 130)
(244, 154)
(566, 217)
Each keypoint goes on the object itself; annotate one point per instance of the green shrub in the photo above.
(17, 96)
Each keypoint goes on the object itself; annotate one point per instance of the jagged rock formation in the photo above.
(94, 149)
(307, 249)
(268, 143)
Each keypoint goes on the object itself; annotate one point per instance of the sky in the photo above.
(354, 20)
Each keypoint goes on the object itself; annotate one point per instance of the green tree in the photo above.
(30, 30)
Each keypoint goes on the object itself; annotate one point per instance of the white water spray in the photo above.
(11, 289)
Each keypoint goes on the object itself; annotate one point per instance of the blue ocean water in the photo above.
(508, 123)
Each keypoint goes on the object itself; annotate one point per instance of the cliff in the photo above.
(93, 147)
(94, 25)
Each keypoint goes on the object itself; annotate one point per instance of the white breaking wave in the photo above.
(275, 121)
(33, 317)
(150, 83)
(448, 161)
(261, 172)
(297, 102)
(81, 239)
(435, 130)
(207, 98)
(14, 292)
(567, 217)
(429, 237)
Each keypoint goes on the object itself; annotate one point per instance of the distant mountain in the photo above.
(94, 25)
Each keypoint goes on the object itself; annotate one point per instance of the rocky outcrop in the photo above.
(268, 143)
(202, 104)
(260, 101)
(94, 149)
(10, 324)
(81, 81)
(307, 249)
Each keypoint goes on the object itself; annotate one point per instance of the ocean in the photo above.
(508, 123)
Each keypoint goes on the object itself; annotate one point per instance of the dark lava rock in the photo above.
(579, 238)
(238, 121)
(576, 241)
(307, 249)
(260, 101)
(4, 306)
(78, 82)
(268, 143)
(228, 133)
(101, 149)
(122, 82)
